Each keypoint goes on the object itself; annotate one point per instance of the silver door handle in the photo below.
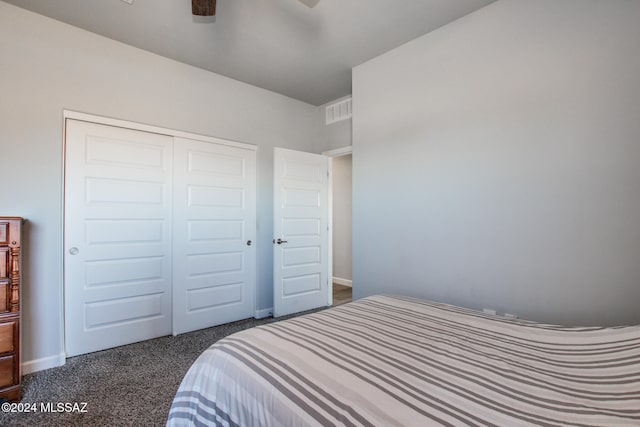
(74, 251)
(280, 241)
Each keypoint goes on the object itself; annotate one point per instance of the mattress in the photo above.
(399, 361)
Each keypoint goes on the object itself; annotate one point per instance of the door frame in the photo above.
(109, 121)
(338, 152)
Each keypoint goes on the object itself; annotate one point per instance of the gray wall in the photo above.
(47, 66)
(341, 170)
(496, 163)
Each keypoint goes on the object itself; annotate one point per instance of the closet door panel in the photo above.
(214, 254)
(117, 236)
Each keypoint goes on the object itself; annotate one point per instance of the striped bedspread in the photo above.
(397, 361)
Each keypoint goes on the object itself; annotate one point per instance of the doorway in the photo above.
(312, 230)
(301, 242)
(341, 196)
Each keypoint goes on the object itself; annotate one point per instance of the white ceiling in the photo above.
(280, 45)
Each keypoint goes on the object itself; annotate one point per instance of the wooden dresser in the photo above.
(10, 260)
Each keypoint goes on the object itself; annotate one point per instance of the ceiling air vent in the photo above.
(338, 111)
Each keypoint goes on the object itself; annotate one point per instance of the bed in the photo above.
(399, 361)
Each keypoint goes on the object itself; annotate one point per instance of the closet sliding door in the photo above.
(117, 240)
(214, 227)
(159, 235)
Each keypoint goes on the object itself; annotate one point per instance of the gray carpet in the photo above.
(132, 385)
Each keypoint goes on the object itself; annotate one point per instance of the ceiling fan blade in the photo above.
(309, 3)
(203, 7)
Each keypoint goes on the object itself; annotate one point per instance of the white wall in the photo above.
(333, 135)
(341, 186)
(496, 163)
(47, 66)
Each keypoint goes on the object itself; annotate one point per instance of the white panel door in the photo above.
(117, 261)
(214, 253)
(301, 264)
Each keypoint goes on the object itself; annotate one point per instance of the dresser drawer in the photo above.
(4, 233)
(8, 336)
(4, 297)
(4, 263)
(10, 231)
(7, 370)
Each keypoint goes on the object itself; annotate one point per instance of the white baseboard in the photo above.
(343, 282)
(260, 314)
(36, 365)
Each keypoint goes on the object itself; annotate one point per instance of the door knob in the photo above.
(280, 241)
(249, 242)
(74, 251)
